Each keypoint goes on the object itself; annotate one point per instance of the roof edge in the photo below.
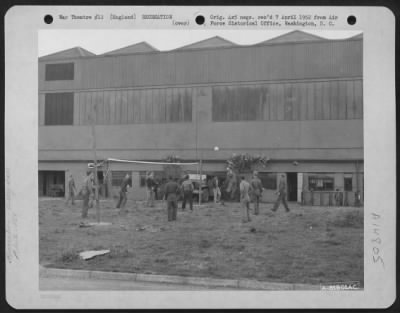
(187, 47)
(115, 51)
(263, 43)
(82, 53)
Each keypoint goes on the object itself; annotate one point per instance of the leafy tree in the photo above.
(173, 170)
(246, 162)
(240, 163)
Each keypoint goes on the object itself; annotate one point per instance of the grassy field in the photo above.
(308, 245)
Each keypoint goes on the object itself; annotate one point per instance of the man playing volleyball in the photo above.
(122, 194)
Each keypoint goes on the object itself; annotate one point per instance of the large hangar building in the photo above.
(297, 99)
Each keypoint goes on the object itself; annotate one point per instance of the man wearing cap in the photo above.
(257, 189)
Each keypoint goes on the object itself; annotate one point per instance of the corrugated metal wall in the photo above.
(289, 61)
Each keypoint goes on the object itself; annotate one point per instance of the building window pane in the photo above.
(118, 177)
(320, 183)
(268, 180)
(60, 71)
(51, 183)
(59, 108)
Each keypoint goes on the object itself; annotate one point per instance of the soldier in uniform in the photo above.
(171, 196)
(281, 195)
(232, 183)
(187, 188)
(150, 184)
(216, 190)
(122, 193)
(87, 191)
(71, 190)
(257, 189)
(245, 188)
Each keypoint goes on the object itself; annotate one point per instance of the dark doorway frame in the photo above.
(291, 186)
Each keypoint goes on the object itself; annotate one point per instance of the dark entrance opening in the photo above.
(51, 183)
(292, 186)
(103, 187)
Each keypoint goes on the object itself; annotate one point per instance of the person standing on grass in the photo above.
(92, 194)
(216, 190)
(187, 188)
(71, 190)
(232, 183)
(156, 186)
(171, 196)
(87, 190)
(338, 198)
(257, 189)
(281, 195)
(122, 193)
(150, 184)
(245, 199)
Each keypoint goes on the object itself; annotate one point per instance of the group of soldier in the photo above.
(254, 190)
(249, 192)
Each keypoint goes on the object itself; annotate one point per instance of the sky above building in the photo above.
(101, 41)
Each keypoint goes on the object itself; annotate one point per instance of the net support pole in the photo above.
(201, 178)
(96, 180)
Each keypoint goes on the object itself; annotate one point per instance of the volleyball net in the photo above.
(174, 169)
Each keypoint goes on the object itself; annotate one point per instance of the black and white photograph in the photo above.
(210, 157)
(229, 161)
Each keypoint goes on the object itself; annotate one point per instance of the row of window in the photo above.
(323, 182)
(329, 100)
(333, 100)
(173, 105)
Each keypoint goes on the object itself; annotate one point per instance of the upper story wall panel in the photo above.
(288, 61)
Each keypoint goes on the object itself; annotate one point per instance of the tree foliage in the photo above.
(172, 170)
(246, 162)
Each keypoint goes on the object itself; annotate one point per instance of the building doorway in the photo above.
(291, 186)
(103, 187)
(51, 183)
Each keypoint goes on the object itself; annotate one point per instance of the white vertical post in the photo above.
(201, 177)
(299, 186)
(96, 181)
